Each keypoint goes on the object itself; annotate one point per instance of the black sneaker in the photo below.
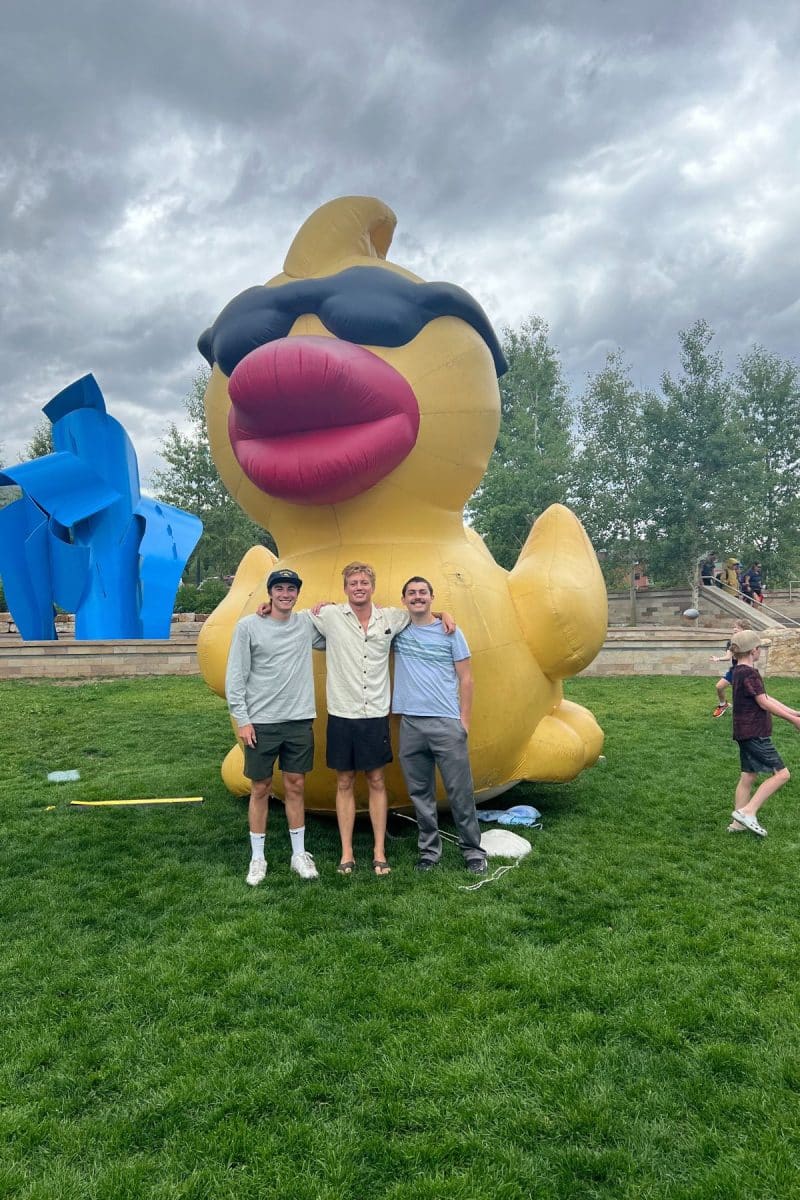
(426, 864)
(478, 866)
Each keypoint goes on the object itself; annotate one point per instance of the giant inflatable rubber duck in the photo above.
(352, 408)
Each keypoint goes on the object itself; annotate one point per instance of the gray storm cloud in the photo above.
(620, 169)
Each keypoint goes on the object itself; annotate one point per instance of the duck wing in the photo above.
(559, 594)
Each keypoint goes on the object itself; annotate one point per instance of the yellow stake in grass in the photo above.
(131, 803)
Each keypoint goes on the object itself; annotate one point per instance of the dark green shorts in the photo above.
(291, 742)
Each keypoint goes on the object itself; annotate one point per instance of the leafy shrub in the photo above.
(202, 599)
(211, 592)
(187, 598)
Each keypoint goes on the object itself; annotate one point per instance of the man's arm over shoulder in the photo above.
(397, 618)
(320, 616)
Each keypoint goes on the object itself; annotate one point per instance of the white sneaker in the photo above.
(303, 864)
(257, 872)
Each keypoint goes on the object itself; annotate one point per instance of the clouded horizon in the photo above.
(619, 169)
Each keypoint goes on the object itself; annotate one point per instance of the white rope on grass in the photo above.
(498, 843)
(496, 874)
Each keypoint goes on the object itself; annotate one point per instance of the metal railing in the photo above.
(760, 606)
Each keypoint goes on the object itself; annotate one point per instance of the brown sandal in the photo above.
(346, 868)
(381, 867)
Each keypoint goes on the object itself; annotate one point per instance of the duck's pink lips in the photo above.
(315, 420)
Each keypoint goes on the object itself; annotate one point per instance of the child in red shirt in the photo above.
(752, 726)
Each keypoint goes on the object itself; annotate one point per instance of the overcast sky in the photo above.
(618, 168)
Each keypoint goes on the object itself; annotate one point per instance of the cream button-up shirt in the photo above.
(358, 662)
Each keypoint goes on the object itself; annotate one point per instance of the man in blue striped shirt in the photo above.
(433, 692)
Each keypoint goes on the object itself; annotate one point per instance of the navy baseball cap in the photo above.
(284, 576)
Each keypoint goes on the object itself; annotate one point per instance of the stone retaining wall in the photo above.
(654, 606)
(95, 660)
(678, 650)
(688, 651)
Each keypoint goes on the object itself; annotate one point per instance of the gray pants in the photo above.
(427, 743)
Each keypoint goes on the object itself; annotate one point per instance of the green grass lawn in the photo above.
(617, 1018)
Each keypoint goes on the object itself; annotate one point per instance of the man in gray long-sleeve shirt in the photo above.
(269, 686)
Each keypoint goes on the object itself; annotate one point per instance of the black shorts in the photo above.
(291, 742)
(358, 744)
(758, 756)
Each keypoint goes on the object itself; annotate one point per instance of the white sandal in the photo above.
(749, 822)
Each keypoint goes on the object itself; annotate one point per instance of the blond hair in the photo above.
(354, 568)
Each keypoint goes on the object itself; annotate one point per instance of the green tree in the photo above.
(190, 481)
(609, 467)
(695, 455)
(766, 395)
(530, 466)
(41, 443)
(9, 492)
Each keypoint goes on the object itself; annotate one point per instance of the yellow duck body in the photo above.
(527, 629)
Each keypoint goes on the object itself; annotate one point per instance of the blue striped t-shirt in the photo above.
(425, 680)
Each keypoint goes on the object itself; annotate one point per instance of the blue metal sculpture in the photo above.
(84, 538)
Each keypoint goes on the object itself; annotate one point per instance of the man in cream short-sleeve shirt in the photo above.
(359, 637)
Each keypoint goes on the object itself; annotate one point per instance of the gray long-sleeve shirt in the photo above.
(270, 675)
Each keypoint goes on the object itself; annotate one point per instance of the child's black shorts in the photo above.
(758, 756)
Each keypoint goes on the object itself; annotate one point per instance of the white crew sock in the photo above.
(298, 840)
(257, 841)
